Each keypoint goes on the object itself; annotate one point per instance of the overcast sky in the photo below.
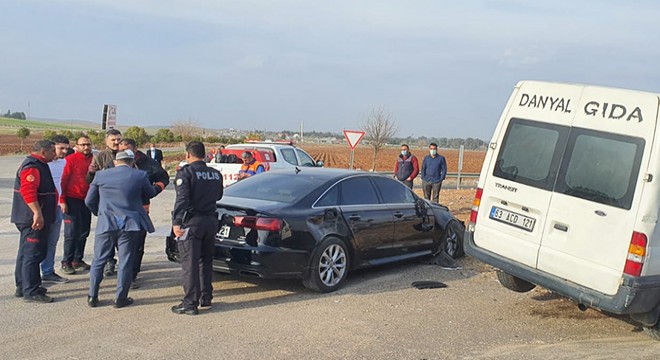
(441, 68)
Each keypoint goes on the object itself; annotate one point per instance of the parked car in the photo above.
(317, 224)
(272, 155)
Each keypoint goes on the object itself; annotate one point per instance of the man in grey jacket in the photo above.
(116, 196)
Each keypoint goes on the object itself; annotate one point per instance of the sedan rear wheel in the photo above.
(329, 266)
(453, 239)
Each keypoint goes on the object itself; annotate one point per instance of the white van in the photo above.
(569, 196)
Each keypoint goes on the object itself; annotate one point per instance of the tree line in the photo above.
(14, 115)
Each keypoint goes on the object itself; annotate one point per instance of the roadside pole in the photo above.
(460, 166)
(353, 138)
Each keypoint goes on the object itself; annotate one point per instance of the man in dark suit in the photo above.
(116, 196)
(155, 154)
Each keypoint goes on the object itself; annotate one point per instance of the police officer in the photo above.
(195, 223)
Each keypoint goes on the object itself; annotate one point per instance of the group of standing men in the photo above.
(51, 186)
(433, 172)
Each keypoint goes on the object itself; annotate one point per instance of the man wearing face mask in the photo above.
(155, 154)
(406, 167)
(434, 170)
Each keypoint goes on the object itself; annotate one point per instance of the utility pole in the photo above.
(302, 130)
(28, 109)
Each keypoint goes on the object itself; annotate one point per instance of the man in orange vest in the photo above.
(250, 166)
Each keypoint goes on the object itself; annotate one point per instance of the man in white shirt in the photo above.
(56, 168)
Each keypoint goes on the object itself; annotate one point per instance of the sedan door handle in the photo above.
(398, 214)
(561, 227)
(354, 217)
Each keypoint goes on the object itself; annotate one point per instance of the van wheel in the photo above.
(329, 266)
(514, 283)
(453, 239)
(653, 331)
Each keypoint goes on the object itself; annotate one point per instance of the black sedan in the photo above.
(317, 224)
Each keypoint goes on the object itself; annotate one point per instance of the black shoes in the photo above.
(54, 278)
(92, 301)
(182, 309)
(68, 269)
(40, 298)
(109, 269)
(205, 303)
(80, 266)
(19, 292)
(120, 303)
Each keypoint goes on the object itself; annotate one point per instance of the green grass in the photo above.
(13, 124)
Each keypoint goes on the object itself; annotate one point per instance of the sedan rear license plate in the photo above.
(512, 218)
(224, 231)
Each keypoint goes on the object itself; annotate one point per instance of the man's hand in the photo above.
(37, 221)
(92, 168)
(177, 230)
(65, 208)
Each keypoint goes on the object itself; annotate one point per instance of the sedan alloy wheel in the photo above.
(329, 266)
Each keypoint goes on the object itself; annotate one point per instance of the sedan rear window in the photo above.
(283, 187)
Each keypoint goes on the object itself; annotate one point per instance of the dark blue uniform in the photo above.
(33, 243)
(198, 187)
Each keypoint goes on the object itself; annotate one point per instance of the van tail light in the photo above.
(258, 223)
(475, 206)
(636, 254)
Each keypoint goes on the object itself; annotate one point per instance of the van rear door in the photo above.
(592, 212)
(525, 156)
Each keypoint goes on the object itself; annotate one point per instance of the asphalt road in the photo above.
(377, 315)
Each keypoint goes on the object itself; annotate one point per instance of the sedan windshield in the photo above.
(283, 187)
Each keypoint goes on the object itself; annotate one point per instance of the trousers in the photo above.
(196, 253)
(432, 191)
(48, 264)
(103, 243)
(77, 222)
(31, 251)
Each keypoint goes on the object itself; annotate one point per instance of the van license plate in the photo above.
(511, 218)
(224, 231)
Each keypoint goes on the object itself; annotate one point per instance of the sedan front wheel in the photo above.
(329, 266)
(453, 239)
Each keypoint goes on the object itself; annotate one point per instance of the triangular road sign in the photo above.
(353, 137)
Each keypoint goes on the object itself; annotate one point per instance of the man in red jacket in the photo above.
(77, 217)
(406, 167)
(33, 211)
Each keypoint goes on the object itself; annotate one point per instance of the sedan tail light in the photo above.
(258, 223)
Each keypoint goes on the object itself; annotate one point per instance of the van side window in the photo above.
(531, 152)
(601, 167)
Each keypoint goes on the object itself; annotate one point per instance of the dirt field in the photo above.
(338, 156)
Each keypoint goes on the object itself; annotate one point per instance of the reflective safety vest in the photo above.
(251, 168)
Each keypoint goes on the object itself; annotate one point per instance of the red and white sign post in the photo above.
(353, 137)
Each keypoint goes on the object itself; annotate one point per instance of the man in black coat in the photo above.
(155, 154)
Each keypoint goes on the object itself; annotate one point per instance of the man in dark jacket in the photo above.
(33, 212)
(157, 176)
(156, 154)
(406, 167)
(434, 170)
(195, 223)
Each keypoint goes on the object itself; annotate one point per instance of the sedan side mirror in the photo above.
(319, 163)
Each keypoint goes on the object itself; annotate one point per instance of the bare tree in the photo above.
(378, 127)
(187, 129)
